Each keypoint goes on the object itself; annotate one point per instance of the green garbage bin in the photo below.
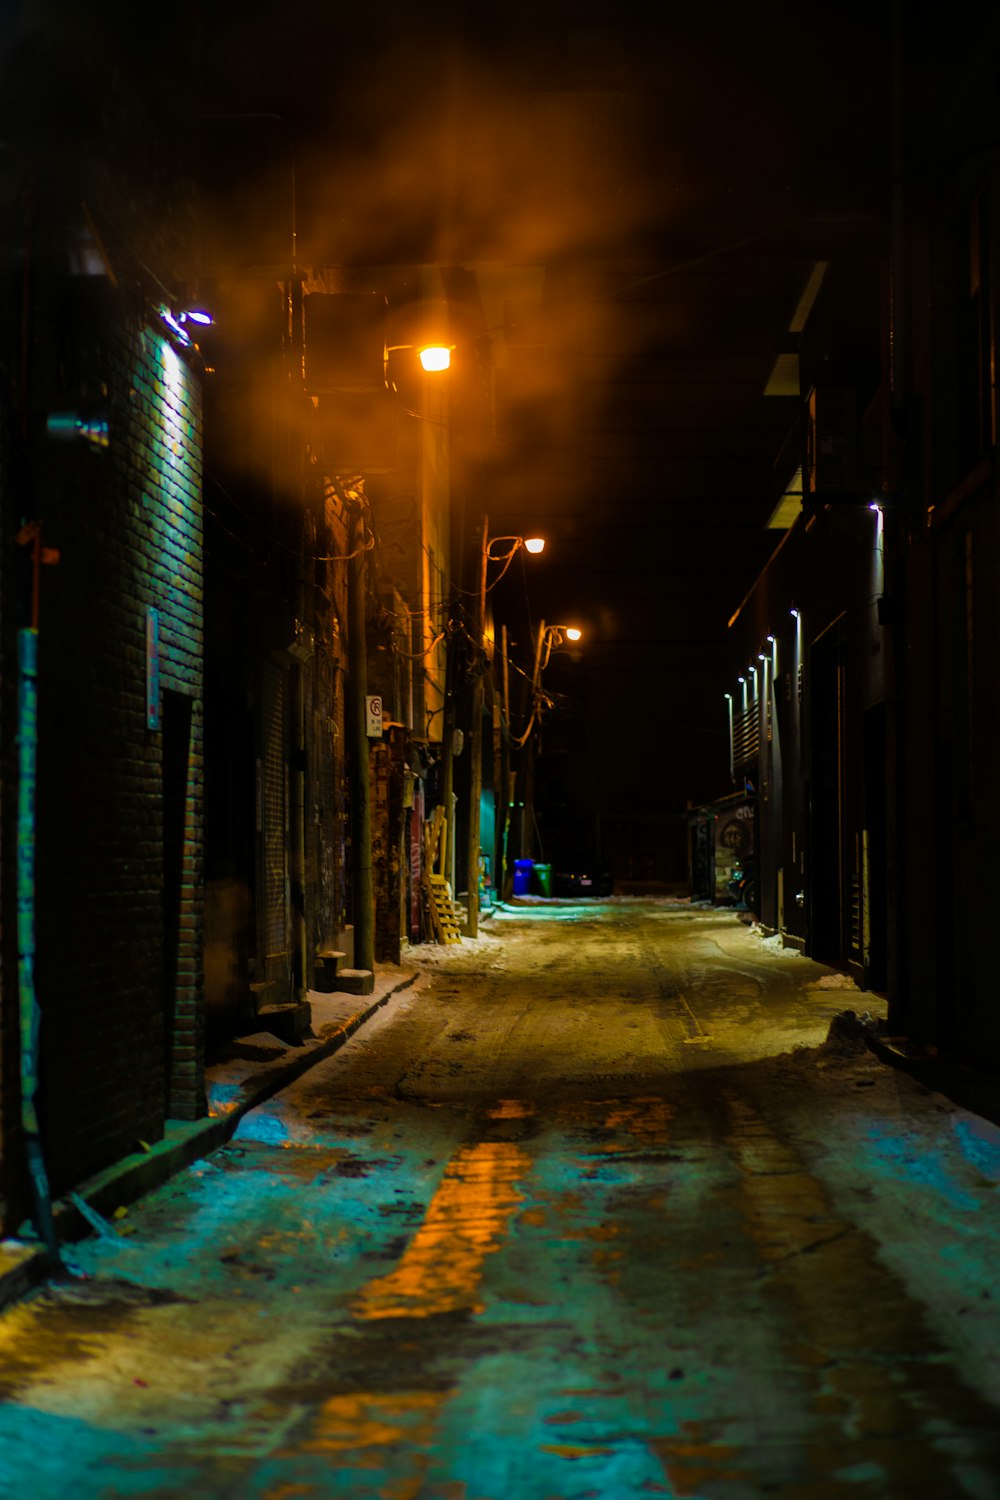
(543, 879)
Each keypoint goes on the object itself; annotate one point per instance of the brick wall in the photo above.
(120, 803)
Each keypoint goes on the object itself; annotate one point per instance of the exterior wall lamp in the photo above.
(175, 322)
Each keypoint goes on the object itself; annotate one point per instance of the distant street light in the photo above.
(549, 637)
(487, 555)
(432, 357)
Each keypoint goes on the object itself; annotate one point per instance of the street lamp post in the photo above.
(486, 556)
(548, 637)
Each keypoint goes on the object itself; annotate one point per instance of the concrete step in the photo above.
(328, 961)
(290, 1023)
(356, 981)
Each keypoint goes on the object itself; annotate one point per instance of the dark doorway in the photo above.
(176, 729)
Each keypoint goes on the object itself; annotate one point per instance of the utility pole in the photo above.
(504, 798)
(528, 800)
(364, 889)
(476, 739)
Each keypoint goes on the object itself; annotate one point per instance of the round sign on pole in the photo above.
(373, 716)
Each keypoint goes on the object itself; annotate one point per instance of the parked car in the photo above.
(580, 874)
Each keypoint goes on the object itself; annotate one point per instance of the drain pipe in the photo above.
(29, 1012)
(29, 1015)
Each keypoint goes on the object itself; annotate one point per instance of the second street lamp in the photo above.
(549, 636)
(486, 556)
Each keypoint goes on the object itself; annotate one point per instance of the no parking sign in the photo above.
(373, 717)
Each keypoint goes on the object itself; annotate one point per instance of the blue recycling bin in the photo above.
(522, 876)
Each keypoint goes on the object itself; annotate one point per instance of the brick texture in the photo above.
(120, 803)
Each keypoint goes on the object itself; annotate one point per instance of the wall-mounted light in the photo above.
(173, 322)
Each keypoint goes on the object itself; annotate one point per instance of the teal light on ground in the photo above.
(550, 911)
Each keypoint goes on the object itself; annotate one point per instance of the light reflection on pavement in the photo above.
(518, 1240)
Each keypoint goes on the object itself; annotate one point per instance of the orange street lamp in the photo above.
(487, 555)
(435, 356)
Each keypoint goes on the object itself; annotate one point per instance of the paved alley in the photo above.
(594, 1209)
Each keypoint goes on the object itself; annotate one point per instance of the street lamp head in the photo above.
(573, 633)
(435, 357)
(534, 544)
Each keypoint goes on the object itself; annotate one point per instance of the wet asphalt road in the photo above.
(589, 1211)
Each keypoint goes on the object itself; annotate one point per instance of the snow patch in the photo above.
(773, 944)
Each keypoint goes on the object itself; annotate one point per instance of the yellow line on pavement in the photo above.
(466, 1221)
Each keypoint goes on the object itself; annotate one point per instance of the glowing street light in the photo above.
(534, 544)
(435, 357)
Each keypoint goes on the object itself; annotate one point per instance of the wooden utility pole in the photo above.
(361, 808)
(478, 696)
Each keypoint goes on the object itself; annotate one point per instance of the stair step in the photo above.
(355, 981)
(288, 1022)
(328, 961)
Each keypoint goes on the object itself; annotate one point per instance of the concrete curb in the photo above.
(24, 1264)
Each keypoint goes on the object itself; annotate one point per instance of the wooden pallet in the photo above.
(439, 910)
(444, 918)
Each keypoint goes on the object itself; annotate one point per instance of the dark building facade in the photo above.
(865, 691)
(102, 702)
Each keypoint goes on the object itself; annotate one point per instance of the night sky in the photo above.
(666, 184)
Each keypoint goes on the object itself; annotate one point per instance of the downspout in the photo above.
(29, 1012)
(297, 831)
